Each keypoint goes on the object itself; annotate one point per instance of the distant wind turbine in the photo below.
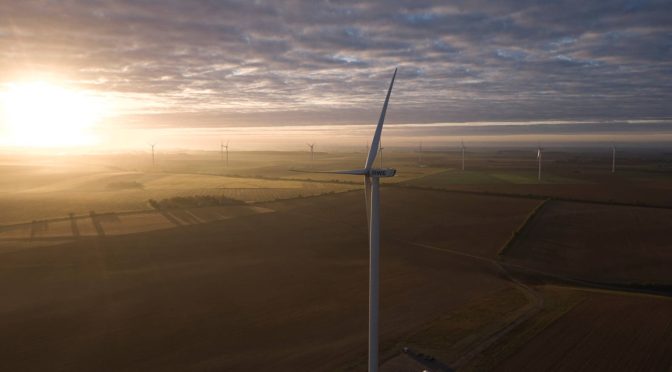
(312, 146)
(539, 152)
(222, 146)
(372, 200)
(153, 162)
(463, 148)
(613, 158)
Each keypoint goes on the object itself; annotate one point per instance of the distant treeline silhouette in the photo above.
(193, 202)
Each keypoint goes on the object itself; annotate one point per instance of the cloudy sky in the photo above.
(181, 64)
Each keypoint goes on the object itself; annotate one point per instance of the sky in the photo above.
(177, 65)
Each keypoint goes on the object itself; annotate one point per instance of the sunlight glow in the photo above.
(39, 114)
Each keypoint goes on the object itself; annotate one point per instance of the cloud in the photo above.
(294, 61)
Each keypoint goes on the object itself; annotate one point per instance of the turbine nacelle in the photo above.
(373, 172)
(382, 172)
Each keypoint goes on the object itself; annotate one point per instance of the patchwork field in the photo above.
(285, 289)
(95, 277)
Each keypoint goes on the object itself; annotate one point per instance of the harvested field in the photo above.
(605, 332)
(600, 243)
(285, 289)
(460, 221)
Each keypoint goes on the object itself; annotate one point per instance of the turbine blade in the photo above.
(354, 172)
(367, 199)
(379, 129)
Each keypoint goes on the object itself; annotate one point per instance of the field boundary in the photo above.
(258, 177)
(72, 216)
(85, 216)
(661, 290)
(524, 226)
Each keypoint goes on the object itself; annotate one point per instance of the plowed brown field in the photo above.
(602, 243)
(606, 332)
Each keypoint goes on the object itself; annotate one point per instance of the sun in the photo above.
(41, 114)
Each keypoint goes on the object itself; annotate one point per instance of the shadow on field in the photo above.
(413, 360)
(98, 219)
(38, 227)
(73, 226)
(170, 217)
(185, 216)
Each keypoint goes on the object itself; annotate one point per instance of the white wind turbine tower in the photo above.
(153, 162)
(539, 152)
(372, 201)
(222, 146)
(613, 158)
(312, 146)
(463, 148)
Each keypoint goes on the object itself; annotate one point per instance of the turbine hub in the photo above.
(382, 172)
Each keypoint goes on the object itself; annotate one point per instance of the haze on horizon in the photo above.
(125, 73)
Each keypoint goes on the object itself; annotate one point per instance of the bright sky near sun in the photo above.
(126, 73)
(41, 114)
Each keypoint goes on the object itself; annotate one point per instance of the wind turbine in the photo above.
(613, 158)
(372, 200)
(539, 152)
(312, 146)
(221, 151)
(463, 148)
(152, 145)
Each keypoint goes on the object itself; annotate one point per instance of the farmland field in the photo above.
(106, 280)
(600, 243)
(605, 332)
(43, 191)
(642, 180)
(57, 231)
(283, 289)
